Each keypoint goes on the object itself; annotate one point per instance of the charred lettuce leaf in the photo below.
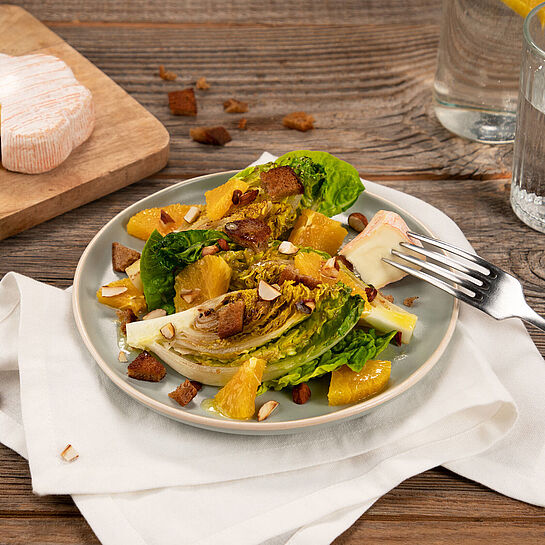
(354, 350)
(163, 257)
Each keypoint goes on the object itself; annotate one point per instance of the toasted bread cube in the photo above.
(214, 136)
(233, 106)
(290, 273)
(299, 121)
(281, 182)
(184, 393)
(249, 232)
(146, 367)
(183, 102)
(125, 316)
(123, 257)
(230, 319)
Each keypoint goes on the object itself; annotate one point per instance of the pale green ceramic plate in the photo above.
(437, 313)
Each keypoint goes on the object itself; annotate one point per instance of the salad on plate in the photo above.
(258, 289)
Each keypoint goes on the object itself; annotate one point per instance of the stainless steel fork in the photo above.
(477, 282)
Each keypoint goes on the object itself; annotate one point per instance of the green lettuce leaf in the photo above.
(331, 185)
(163, 257)
(354, 350)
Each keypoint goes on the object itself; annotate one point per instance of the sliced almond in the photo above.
(331, 268)
(122, 357)
(267, 292)
(192, 214)
(189, 295)
(112, 291)
(287, 248)
(157, 313)
(168, 331)
(357, 221)
(133, 272)
(266, 410)
(69, 454)
(210, 250)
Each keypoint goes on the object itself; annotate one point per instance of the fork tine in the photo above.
(435, 281)
(446, 260)
(457, 251)
(440, 271)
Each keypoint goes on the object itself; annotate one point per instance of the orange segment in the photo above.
(524, 7)
(210, 274)
(237, 398)
(314, 230)
(142, 224)
(311, 264)
(346, 386)
(220, 199)
(132, 298)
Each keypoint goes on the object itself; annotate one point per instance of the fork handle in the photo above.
(533, 318)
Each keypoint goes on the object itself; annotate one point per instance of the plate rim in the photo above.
(249, 426)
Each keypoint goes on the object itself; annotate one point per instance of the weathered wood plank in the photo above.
(371, 97)
(303, 12)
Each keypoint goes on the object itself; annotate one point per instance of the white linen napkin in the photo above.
(142, 478)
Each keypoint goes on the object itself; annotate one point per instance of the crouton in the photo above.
(202, 84)
(249, 232)
(233, 106)
(230, 319)
(215, 136)
(125, 316)
(183, 102)
(146, 367)
(123, 257)
(290, 273)
(184, 393)
(165, 74)
(242, 124)
(299, 121)
(281, 182)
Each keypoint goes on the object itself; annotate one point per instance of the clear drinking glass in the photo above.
(528, 183)
(478, 64)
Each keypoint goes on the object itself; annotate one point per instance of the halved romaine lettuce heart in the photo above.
(281, 334)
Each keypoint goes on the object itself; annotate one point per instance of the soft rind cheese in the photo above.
(383, 233)
(45, 112)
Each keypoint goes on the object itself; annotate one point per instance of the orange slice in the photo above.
(142, 224)
(237, 398)
(132, 298)
(347, 386)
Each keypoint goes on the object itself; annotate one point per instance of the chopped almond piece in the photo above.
(69, 454)
(123, 257)
(112, 291)
(242, 124)
(183, 102)
(122, 357)
(146, 367)
(184, 393)
(125, 316)
(230, 319)
(166, 217)
(202, 84)
(266, 410)
(166, 75)
(281, 182)
(299, 121)
(233, 106)
(409, 301)
(157, 313)
(215, 136)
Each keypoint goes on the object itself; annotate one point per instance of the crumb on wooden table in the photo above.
(215, 136)
(233, 106)
(183, 102)
(165, 74)
(299, 121)
(242, 123)
(202, 84)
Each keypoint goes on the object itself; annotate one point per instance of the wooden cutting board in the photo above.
(127, 144)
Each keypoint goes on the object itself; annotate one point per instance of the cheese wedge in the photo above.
(383, 233)
(45, 112)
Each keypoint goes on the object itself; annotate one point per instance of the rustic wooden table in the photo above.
(364, 70)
